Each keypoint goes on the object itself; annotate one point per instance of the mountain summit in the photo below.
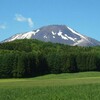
(57, 34)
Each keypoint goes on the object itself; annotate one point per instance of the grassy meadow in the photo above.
(67, 86)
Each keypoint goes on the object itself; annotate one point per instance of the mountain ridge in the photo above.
(57, 34)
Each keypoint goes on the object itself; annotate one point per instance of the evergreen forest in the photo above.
(31, 58)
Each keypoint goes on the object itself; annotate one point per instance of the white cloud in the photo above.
(2, 26)
(30, 22)
(20, 18)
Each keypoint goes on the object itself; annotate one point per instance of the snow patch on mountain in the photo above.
(53, 36)
(78, 42)
(62, 36)
(76, 33)
(45, 37)
(37, 31)
(53, 33)
(27, 35)
(69, 37)
(82, 37)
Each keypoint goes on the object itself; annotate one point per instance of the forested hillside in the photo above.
(29, 58)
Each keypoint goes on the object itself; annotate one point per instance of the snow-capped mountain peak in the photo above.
(57, 34)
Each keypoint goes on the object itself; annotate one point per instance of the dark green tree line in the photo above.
(30, 58)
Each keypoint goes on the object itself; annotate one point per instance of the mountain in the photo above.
(57, 34)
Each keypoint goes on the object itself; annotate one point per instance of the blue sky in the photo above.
(18, 16)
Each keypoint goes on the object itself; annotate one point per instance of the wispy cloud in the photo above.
(30, 22)
(2, 26)
(20, 18)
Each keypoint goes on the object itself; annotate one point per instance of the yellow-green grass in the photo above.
(69, 86)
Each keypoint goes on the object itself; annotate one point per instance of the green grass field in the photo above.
(73, 86)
